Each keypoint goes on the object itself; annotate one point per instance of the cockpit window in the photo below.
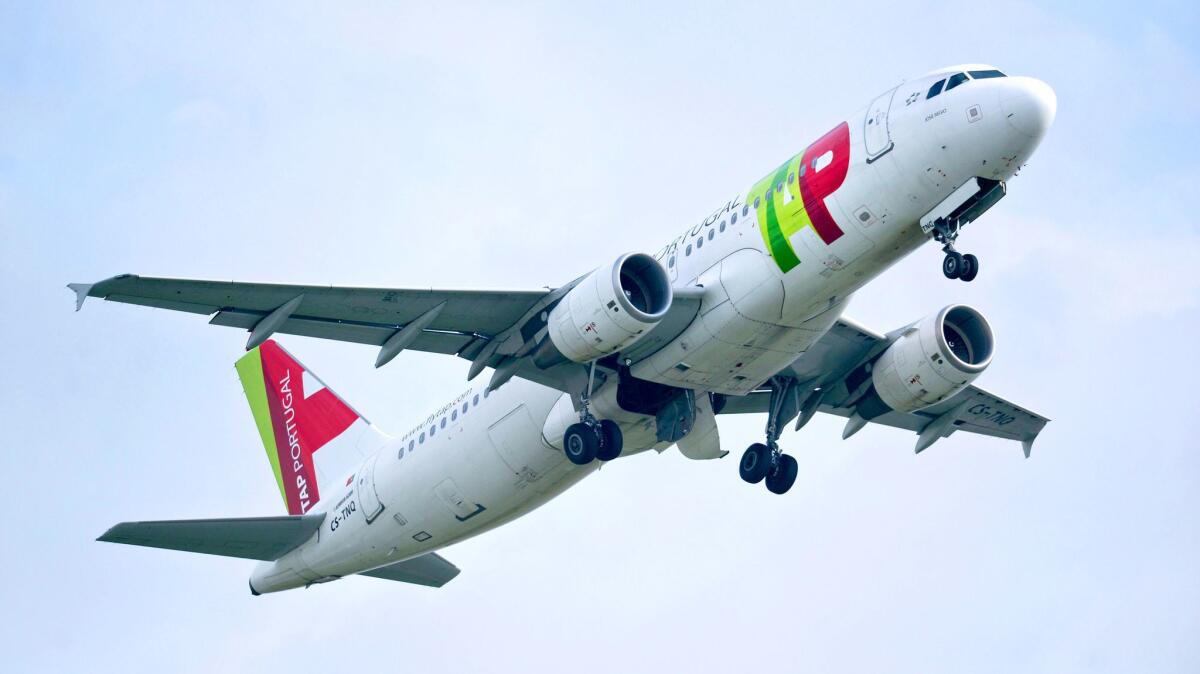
(935, 89)
(985, 74)
(955, 81)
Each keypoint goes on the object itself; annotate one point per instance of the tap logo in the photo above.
(294, 423)
(793, 196)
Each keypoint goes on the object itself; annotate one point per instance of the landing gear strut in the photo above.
(955, 264)
(766, 461)
(591, 438)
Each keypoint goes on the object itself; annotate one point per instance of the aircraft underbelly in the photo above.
(491, 469)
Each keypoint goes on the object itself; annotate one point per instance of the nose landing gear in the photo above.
(955, 265)
(958, 266)
(766, 461)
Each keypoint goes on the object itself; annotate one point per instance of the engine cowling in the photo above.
(610, 309)
(932, 360)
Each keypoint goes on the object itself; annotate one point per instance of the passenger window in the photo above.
(687, 251)
(476, 400)
(756, 202)
(985, 74)
(955, 81)
(422, 437)
(671, 262)
(443, 424)
(745, 210)
(699, 243)
(432, 431)
(732, 219)
(935, 89)
(465, 406)
(791, 178)
(400, 455)
(454, 415)
(722, 225)
(411, 444)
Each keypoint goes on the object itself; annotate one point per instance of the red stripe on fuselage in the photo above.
(816, 185)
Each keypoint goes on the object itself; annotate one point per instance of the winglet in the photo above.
(81, 293)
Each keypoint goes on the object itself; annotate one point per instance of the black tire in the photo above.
(756, 463)
(952, 265)
(580, 443)
(784, 476)
(970, 268)
(611, 440)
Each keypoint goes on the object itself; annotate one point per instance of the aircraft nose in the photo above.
(1030, 105)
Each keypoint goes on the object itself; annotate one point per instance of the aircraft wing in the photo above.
(848, 345)
(262, 538)
(362, 315)
(491, 328)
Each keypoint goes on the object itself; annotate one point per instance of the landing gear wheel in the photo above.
(580, 443)
(783, 476)
(756, 463)
(611, 440)
(970, 268)
(952, 265)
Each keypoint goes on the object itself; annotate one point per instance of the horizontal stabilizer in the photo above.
(263, 538)
(429, 569)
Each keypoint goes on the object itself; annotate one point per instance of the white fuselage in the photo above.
(484, 460)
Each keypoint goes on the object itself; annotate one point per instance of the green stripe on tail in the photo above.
(250, 371)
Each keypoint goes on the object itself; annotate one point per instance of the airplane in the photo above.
(740, 313)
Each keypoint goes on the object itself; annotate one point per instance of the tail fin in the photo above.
(312, 437)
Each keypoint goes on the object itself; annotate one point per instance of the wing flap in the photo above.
(262, 538)
(346, 331)
(430, 570)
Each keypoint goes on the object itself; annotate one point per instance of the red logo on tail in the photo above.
(302, 424)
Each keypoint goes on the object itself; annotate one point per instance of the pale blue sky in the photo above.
(478, 146)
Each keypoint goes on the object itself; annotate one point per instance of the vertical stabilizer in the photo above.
(313, 438)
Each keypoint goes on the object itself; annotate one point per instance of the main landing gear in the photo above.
(955, 264)
(591, 438)
(766, 461)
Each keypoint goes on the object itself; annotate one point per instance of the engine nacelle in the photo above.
(931, 361)
(610, 309)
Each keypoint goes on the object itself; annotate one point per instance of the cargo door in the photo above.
(459, 505)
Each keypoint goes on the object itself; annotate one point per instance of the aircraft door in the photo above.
(368, 498)
(877, 136)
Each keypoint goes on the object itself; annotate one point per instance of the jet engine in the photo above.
(608, 310)
(933, 359)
